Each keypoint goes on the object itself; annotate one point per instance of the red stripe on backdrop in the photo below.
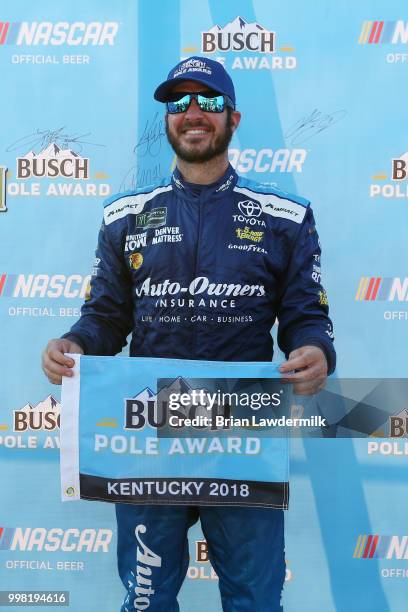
(373, 32)
(4, 26)
(379, 30)
(370, 288)
(374, 546)
(376, 288)
(2, 281)
(368, 546)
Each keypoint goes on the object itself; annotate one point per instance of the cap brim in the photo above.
(166, 87)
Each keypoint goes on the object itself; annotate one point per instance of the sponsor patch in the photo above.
(131, 205)
(274, 205)
(136, 261)
(152, 218)
(244, 233)
(323, 300)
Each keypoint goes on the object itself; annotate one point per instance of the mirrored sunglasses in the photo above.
(209, 102)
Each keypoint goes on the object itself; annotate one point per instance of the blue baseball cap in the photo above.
(200, 69)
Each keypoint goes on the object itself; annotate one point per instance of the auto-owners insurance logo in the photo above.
(252, 47)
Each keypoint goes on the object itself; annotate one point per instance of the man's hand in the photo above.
(54, 362)
(306, 368)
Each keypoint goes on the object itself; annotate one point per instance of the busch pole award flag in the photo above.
(170, 431)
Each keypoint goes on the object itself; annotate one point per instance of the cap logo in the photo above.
(192, 65)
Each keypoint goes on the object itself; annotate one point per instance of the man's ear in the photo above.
(235, 119)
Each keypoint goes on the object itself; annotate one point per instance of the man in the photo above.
(198, 267)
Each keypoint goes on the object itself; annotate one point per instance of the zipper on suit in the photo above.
(196, 267)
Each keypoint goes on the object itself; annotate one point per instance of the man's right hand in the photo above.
(54, 362)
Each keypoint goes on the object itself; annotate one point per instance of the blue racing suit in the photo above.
(203, 272)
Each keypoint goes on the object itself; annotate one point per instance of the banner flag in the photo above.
(161, 431)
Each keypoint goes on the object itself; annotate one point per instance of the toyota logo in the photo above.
(250, 208)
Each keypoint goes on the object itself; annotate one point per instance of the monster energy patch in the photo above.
(152, 218)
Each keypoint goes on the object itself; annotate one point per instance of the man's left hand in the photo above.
(306, 368)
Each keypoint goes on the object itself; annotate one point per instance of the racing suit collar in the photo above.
(224, 184)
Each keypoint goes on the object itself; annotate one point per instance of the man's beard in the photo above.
(217, 147)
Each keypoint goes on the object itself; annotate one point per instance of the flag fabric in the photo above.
(170, 431)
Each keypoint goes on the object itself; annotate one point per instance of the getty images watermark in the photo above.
(196, 399)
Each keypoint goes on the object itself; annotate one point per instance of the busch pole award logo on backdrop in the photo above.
(398, 187)
(251, 45)
(52, 165)
(34, 426)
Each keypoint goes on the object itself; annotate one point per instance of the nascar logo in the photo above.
(60, 33)
(377, 288)
(381, 547)
(43, 285)
(50, 540)
(383, 32)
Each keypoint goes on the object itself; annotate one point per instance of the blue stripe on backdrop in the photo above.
(256, 96)
(266, 114)
(159, 50)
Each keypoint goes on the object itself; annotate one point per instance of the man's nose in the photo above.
(193, 110)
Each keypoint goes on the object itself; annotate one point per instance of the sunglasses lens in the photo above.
(214, 104)
(179, 106)
(207, 101)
